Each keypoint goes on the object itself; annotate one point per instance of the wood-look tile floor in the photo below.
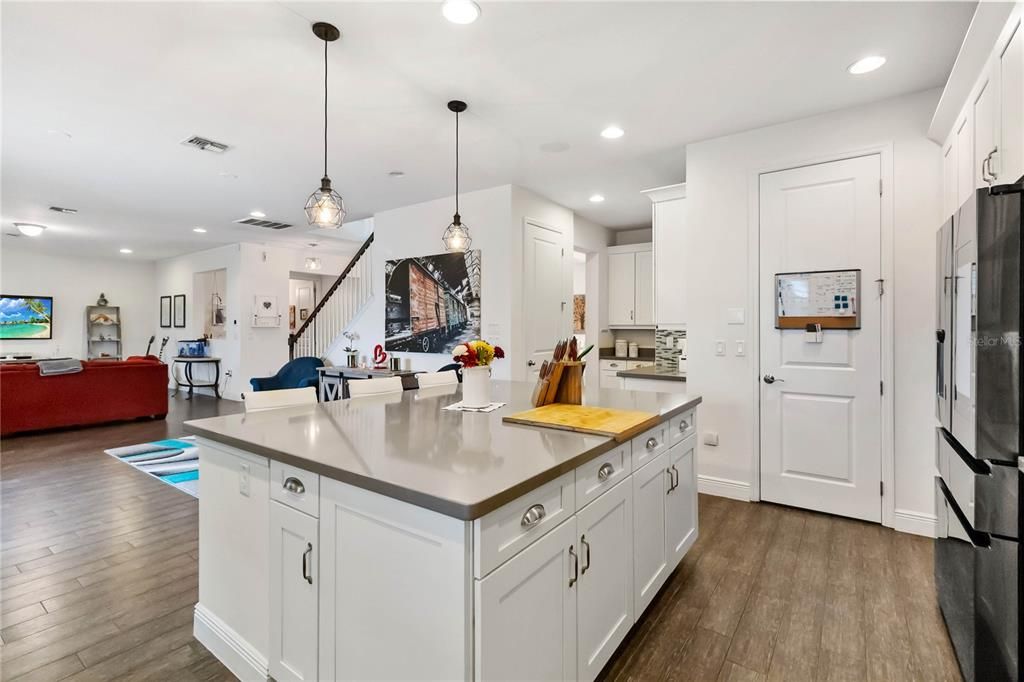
(98, 577)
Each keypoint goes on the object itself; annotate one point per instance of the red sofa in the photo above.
(104, 391)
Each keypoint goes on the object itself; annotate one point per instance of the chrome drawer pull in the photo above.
(305, 563)
(294, 485)
(684, 426)
(583, 541)
(671, 481)
(651, 443)
(605, 472)
(575, 566)
(533, 516)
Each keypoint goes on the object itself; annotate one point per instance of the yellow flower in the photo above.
(484, 351)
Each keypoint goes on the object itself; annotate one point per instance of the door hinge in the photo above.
(881, 388)
(879, 187)
(563, 251)
(881, 489)
(881, 286)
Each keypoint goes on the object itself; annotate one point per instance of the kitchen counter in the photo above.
(652, 373)
(460, 464)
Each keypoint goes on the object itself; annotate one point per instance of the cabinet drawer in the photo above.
(613, 365)
(682, 426)
(601, 474)
(295, 487)
(510, 529)
(649, 444)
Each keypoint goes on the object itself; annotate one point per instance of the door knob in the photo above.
(769, 379)
(530, 363)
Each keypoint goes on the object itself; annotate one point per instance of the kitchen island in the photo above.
(388, 538)
(653, 378)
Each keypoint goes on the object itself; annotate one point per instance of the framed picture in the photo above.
(26, 317)
(179, 310)
(303, 313)
(291, 317)
(165, 311)
(217, 306)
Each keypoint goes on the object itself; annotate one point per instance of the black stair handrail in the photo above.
(293, 338)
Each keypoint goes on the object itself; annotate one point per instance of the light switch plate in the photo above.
(711, 438)
(720, 348)
(741, 348)
(736, 316)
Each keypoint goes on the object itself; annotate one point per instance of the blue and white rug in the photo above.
(174, 461)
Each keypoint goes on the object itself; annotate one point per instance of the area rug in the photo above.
(174, 461)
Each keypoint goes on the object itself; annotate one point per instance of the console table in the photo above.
(333, 381)
(189, 381)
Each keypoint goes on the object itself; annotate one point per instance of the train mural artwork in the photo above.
(433, 302)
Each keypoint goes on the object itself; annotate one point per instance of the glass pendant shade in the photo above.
(456, 237)
(325, 208)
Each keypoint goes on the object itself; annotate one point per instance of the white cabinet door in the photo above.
(669, 254)
(986, 139)
(965, 174)
(526, 612)
(950, 194)
(644, 291)
(604, 604)
(609, 379)
(293, 594)
(1011, 115)
(621, 288)
(650, 562)
(681, 501)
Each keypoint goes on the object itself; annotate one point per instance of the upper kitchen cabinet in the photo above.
(669, 219)
(1009, 165)
(630, 286)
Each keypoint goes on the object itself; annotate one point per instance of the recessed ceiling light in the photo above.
(30, 229)
(257, 214)
(126, 250)
(612, 133)
(396, 174)
(596, 198)
(460, 11)
(200, 230)
(866, 65)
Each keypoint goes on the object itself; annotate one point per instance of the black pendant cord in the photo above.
(456, 165)
(325, 108)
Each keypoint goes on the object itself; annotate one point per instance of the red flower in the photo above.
(498, 352)
(468, 359)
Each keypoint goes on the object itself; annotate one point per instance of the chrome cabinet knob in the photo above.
(294, 485)
(684, 425)
(533, 516)
(605, 472)
(651, 443)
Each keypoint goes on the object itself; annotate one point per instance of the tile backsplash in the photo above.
(665, 352)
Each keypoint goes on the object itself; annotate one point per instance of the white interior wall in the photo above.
(644, 235)
(719, 174)
(75, 283)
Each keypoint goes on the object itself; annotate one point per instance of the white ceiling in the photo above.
(128, 81)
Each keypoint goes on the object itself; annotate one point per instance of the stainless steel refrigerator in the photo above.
(979, 441)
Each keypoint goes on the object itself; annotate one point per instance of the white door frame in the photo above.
(885, 152)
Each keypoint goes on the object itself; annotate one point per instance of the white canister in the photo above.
(634, 350)
(621, 348)
(476, 386)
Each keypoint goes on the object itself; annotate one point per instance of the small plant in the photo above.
(476, 353)
(352, 338)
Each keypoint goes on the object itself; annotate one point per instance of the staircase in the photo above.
(337, 308)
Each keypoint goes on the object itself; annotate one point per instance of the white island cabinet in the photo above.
(307, 577)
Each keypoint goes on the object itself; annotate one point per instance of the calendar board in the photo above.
(830, 298)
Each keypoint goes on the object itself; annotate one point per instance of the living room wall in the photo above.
(75, 283)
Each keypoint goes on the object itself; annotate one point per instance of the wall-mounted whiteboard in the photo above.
(830, 298)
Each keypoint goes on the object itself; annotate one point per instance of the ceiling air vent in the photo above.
(62, 209)
(262, 222)
(205, 145)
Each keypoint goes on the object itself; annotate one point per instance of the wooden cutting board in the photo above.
(600, 421)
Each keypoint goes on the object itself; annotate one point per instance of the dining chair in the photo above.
(361, 387)
(257, 401)
(427, 379)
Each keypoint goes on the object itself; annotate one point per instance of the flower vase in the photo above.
(476, 386)
(353, 359)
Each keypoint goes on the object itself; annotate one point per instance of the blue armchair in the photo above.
(297, 373)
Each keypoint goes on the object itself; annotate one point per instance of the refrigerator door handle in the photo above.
(976, 465)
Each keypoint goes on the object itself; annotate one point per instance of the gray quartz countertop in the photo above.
(406, 446)
(652, 373)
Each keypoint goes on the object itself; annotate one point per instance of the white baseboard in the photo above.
(224, 643)
(906, 521)
(723, 487)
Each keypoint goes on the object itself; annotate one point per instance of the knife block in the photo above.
(570, 387)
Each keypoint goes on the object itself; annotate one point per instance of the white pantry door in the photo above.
(545, 309)
(821, 430)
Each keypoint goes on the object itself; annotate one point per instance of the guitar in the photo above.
(163, 344)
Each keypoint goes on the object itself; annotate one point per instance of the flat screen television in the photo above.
(26, 317)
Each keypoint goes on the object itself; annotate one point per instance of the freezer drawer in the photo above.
(987, 493)
(978, 592)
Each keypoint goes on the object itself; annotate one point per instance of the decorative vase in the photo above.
(353, 359)
(476, 386)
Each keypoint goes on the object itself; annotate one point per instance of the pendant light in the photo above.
(456, 238)
(325, 208)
